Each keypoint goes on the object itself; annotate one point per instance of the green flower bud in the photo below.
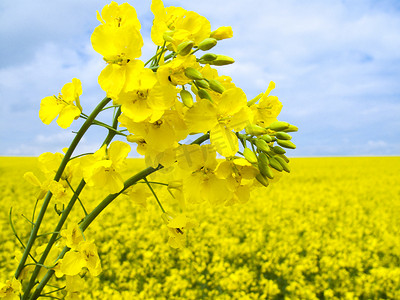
(202, 83)
(187, 98)
(261, 179)
(216, 86)
(253, 129)
(278, 150)
(222, 60)
(286, 144)
(283, 156)
(208, 57)
(291, 128)
(254, 100)
(167, 36)
(283, 136)
(192, 73)
(283, 163)
(279, 126)
(262, 145)
(203, 94)
(275, 164)
(184, 48)
(263, 166)
(267, 138)
(250, 155)
(207, 44)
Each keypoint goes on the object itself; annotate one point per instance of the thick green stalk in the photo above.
(57, 177)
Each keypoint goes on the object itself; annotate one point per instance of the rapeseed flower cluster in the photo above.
(160, 104)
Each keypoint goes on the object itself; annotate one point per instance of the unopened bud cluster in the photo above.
(267, 156)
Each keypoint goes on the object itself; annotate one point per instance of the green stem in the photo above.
(108, 107)
(153, 57)
(16, 235)
(80, 155)
(154, 194)
(201, 139)
(161, 53)
(112, 131)
(98, 123)
(155, 182)
(72, 189)
(57, 177)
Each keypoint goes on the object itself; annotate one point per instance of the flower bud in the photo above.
(192, 73)
(291, 128)
(254, 100)
(250, 155)
(208, 57)
(286, 144)
(262, 145)
(284, 157)
(267, 138)
(216, 86)
(278, 150)
(224, 32)
(202, 83)
(261, 179)
(275, 164)
(134, 138)
(283, 163)
(207, 44)
(253, 129)
(167, 36)
(203, 94)
(222, 60)
(279, 126)
(184, 48)
(283, 136)
(187, 98)
(263, 166)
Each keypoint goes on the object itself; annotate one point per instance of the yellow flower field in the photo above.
(329, 230)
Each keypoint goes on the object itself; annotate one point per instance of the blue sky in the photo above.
(336, 65)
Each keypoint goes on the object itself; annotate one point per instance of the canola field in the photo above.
(329, 230)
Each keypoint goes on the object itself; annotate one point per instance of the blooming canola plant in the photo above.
(159, 103)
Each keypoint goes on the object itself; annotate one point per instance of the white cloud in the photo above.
(335, 63)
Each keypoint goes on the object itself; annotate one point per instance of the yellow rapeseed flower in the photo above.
(267, 109)
(119, 41)
(62, 106)
(101, 169)
(10, 290)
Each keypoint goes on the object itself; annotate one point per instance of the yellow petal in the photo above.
(32, 179)
(215, 190)
(112, 79)
(231, 101)
(118, 152)
(72, 263)
(50, 107)
(224, 140)
(67, 115)
(201, 117)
